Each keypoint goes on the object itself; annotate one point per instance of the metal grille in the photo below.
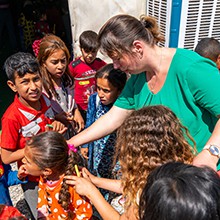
(216, 23)
(158, 9)
(199, 19)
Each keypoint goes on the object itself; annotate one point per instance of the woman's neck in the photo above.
(158, 68)
(154, 57)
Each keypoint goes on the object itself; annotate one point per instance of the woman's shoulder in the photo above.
(187, 55)
(186, 60)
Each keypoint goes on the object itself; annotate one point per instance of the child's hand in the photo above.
(87, 175)
(59, 127)
(22, 173)
(62, 116)
(79, 120)
(82, 186)
(84, 152)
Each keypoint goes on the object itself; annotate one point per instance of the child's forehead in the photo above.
(87, 50)
(26, 75)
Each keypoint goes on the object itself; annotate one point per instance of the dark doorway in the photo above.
(57, 17)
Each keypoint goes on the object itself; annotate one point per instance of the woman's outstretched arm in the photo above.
(102, 127)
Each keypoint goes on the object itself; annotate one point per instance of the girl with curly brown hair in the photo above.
(47, 155)
(149, 137)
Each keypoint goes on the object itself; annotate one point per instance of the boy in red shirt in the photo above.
(28, 115)
(84, 68)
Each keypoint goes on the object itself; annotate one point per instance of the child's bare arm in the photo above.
(9, 156)
(79, 120)
(108, 184)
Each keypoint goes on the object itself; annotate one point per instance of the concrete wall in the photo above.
(92, 14)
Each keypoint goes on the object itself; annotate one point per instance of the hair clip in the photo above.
(72, 148)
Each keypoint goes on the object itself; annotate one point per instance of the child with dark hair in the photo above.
(58, 85)
(181, 191)
(28, 115)
(110, 82)
(49, 156)
(150, 137)
(209, 47)
(83, 69)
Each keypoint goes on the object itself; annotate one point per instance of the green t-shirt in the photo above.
(191, 90)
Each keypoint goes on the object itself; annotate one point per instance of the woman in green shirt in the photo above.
(180, 79)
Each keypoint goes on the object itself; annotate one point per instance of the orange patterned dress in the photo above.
(48, 206)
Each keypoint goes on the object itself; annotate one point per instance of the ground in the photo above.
(17, 196)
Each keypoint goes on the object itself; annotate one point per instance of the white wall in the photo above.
(92, 14)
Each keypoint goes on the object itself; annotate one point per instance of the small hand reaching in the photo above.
(79, 120)
(22, 173)
(84, 152)
(82, 185)
(59, 127)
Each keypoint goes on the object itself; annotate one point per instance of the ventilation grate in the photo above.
(158, 9)
(199, 19)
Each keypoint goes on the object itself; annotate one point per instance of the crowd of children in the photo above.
(146, 162)
(150, 137)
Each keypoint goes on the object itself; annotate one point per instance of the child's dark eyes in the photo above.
(55, 62)
(63, 61)
(24, 82)
(36, 79)
(104, 90)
